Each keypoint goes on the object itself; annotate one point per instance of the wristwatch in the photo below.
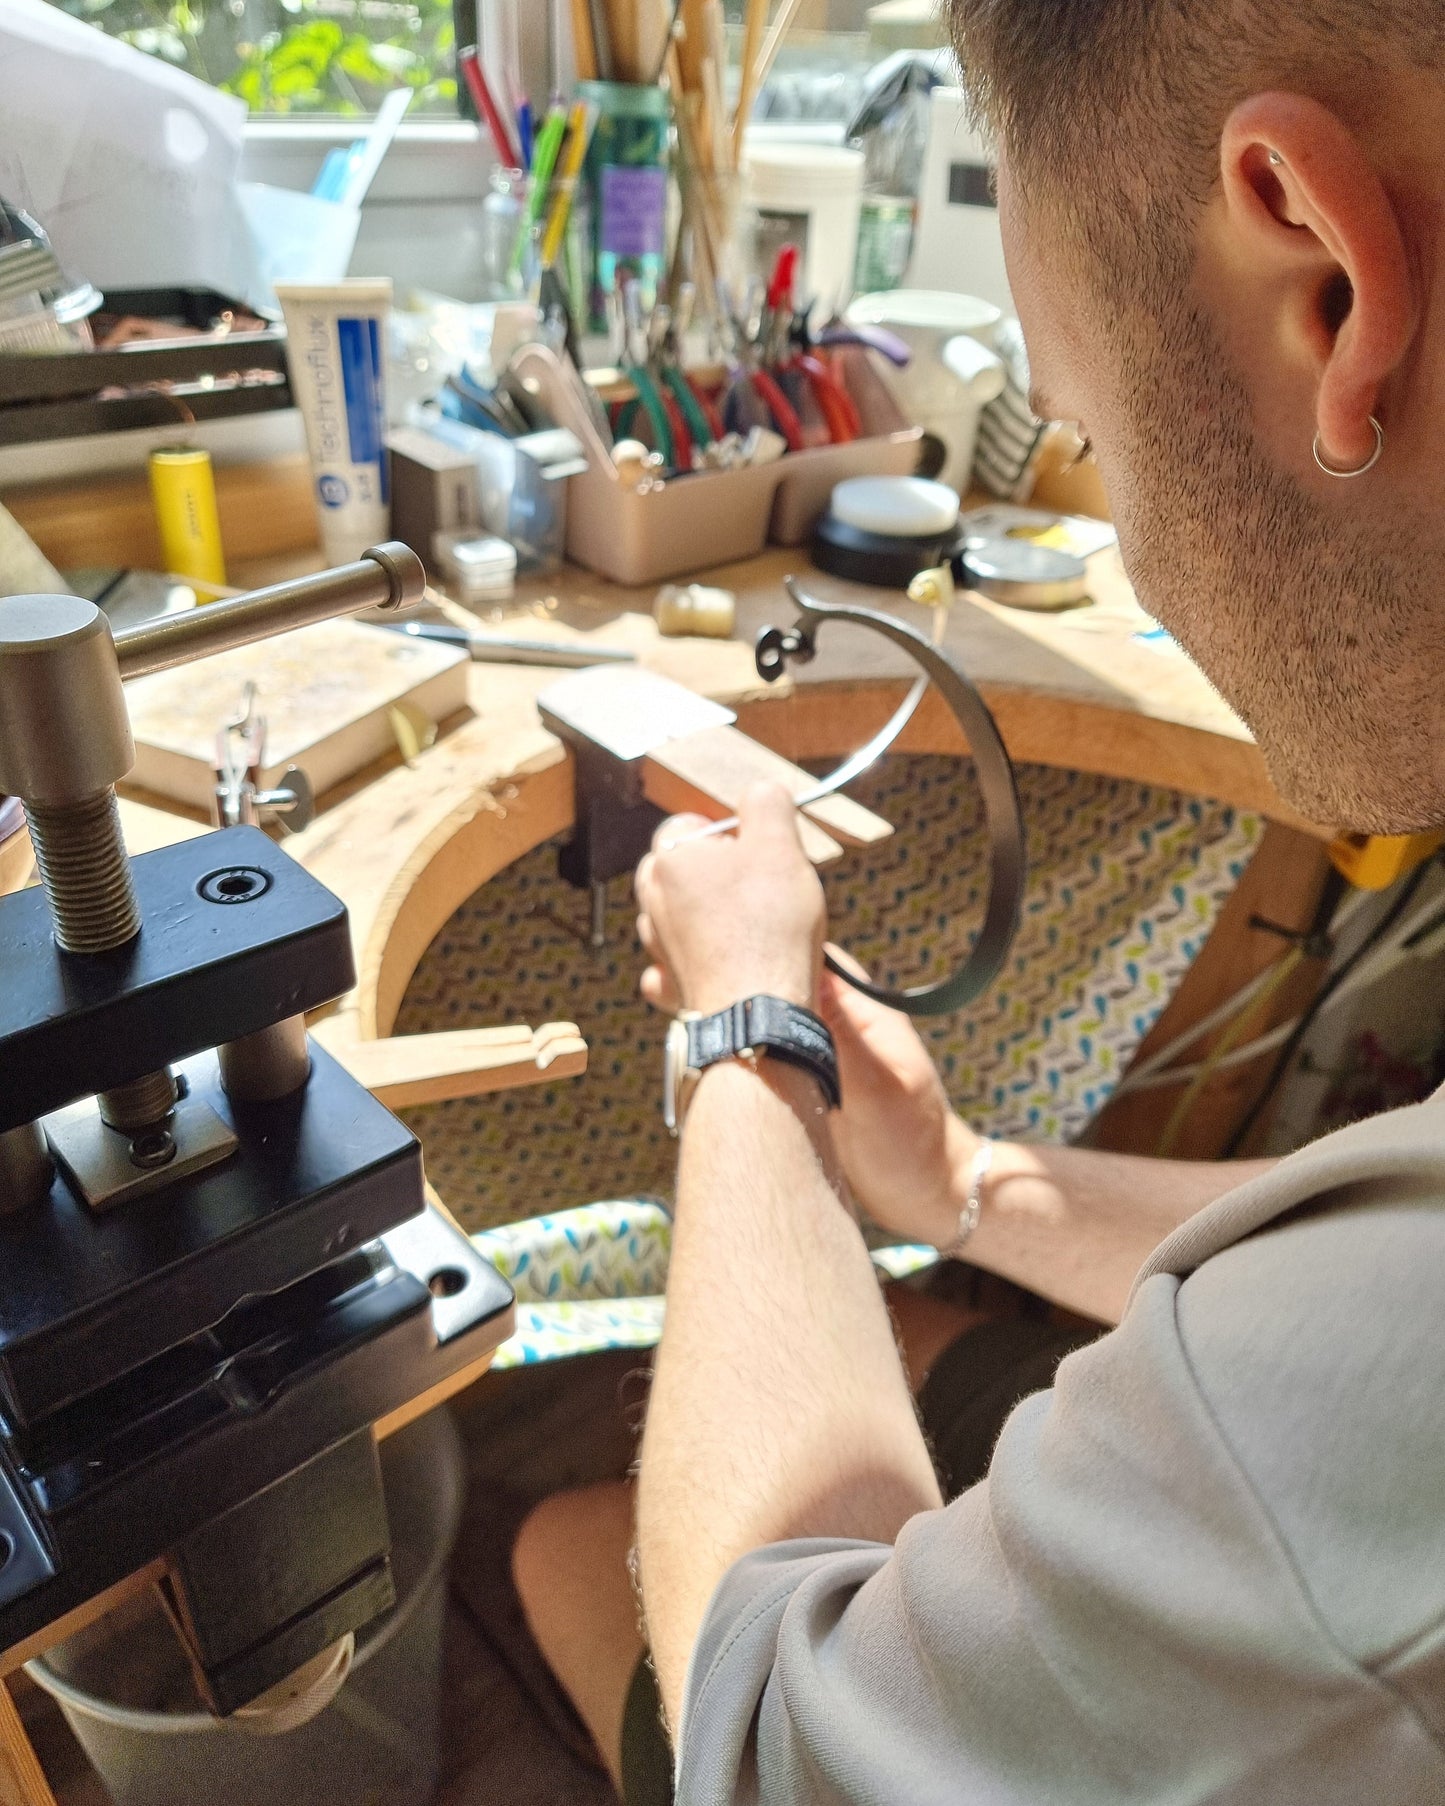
(757, 1025)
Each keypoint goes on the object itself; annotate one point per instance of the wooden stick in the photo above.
(690, 45)
(584, 44)
(718, 149)
(698, 200)
(22, 1780)
(786, 14)
(716, 45)
(676, 795)
(753, 24)
(711, 771)
(601, 27)
(622, 37)
(462, 1062)
(697, 215)
(656, 29)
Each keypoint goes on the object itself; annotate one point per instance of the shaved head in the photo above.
(1203, 201)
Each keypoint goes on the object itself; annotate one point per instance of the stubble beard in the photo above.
(1318, 625)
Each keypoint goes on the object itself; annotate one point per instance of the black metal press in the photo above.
(217, 1265)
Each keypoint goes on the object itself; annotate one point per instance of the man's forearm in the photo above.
(1076, 1224)
(779, 1407)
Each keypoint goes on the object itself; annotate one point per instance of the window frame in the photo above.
(430, 159)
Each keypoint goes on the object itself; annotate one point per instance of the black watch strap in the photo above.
(771, 1025)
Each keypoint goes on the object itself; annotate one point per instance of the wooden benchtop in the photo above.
(405, 846)
(1076, 690)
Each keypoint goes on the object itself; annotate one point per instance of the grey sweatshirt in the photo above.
(1209, 1565)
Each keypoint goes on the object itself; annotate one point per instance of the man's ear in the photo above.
(1310, 213)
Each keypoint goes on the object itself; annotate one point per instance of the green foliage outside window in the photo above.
(296, 56)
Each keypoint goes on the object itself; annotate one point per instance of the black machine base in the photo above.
(102, 1489)
(326, 1572)
(190, 1370)
(88, 1297)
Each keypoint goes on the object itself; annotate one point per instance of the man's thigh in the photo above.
(570, 1565)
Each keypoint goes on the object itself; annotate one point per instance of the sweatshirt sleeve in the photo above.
(1109, 1617)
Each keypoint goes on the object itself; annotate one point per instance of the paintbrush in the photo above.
(754, 22)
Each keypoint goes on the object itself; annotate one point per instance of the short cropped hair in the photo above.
(1118, 104)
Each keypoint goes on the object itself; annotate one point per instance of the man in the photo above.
(1209, 1564)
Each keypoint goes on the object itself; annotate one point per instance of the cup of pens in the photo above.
(520, 239)
(535, 219)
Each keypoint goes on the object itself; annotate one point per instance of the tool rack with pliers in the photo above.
(779, 374)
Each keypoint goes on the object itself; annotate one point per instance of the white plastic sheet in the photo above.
(129, 165)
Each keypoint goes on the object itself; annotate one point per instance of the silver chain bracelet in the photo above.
(978, 1171)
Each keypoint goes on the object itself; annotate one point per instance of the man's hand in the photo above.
(898, 1140)
(732, 916)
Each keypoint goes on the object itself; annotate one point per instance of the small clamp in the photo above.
(238, 800)
(776, 645)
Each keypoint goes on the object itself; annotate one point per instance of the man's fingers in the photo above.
(658, 990)
(656, 983)
(841, 956)
(675, 830)
(669, 833)
(768, 810)
(842, 1006)
(838, 1005)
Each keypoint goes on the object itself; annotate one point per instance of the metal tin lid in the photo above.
(1024, 575)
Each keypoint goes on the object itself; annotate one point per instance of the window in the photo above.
(319, 58)
(296, 56)
(822, 62)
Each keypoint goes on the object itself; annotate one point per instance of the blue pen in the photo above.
(524, 131)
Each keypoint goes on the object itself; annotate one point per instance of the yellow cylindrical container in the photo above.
(183, 493)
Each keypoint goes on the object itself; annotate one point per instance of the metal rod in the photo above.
(272, 1063)
(80, 852)
(503, 649)
(389, 576)
(64, 739)
(139, 1103)
(25, 1167)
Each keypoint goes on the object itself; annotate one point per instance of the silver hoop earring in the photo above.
(1331, 470)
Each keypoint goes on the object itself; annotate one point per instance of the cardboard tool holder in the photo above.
(713, 517)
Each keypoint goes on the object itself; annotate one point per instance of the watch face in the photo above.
(674, 1066)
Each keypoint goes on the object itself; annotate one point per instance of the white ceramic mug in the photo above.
(954, 373)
